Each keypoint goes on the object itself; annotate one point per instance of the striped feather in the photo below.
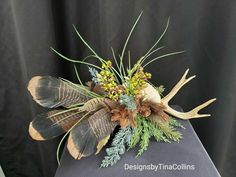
(54, 123)
(85, 136)
(100, 102)
(52, 92)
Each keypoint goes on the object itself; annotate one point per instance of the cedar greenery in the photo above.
(175, 123)
(161, 132)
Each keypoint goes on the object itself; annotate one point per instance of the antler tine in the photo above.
(190, 114)
(177, 87)
(184, 115)
(198, 108)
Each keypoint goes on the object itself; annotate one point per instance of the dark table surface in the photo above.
(187, 159)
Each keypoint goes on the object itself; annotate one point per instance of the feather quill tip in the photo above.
(74, 152)
(34, 133)
(33, 83)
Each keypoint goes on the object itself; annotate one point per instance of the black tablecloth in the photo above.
(185, 159)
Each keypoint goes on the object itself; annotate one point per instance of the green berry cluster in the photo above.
(137, 82)
(108, 82)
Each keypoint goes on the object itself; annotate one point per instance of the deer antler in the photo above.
(184, 115)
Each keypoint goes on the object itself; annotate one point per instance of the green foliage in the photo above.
(94, 74)
(136, 82)
(170, 133)
(142, 134)
(118, 146)
(120, 71)
(175, 123)
(160, 131)
(145, 138)
(138, 131)
(160, 89)
(128, 101)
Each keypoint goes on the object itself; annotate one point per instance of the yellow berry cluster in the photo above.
(107, 64)
(108, 83)
(137, 82)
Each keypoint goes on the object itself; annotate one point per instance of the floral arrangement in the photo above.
(117, 96)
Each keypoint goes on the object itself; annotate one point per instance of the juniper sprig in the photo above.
(118, 146)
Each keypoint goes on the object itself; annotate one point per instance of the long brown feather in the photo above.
(54, 123)
(84, 137)
(52, 92)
